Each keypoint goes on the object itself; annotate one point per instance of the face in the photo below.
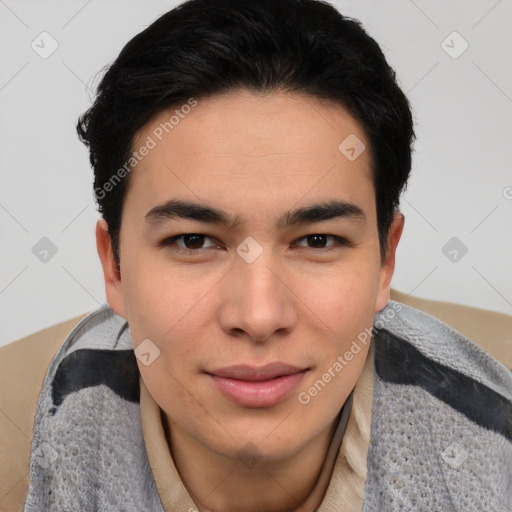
(248, 314)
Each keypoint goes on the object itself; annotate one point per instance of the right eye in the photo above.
(190, 241)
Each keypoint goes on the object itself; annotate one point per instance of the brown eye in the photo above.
(318, 241)
(193, 241)
(189, 242)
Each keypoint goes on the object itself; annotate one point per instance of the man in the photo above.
(248, 160)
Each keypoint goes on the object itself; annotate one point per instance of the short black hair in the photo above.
(206, 47)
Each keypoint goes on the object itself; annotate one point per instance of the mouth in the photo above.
(257, 387)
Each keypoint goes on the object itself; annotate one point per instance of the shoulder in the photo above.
(417, 349)
(441, 417)
(23, 365)
(490, 330)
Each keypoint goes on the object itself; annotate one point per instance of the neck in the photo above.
(216, 482)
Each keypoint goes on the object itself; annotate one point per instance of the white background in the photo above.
(462, 170)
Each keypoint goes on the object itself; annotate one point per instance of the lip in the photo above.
(250, 386)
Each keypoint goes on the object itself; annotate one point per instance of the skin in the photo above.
(255, 157)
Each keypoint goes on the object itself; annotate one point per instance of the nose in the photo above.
(258, 303)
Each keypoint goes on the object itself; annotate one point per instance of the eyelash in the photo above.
(171, 242)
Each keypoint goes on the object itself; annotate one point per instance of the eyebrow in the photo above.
(324, 211)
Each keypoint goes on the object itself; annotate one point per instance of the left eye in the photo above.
(319, 239)
(196, 240)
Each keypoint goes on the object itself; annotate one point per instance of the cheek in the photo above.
(157, 295)
(344, 312)
(346, 318)
(170, 308)
(344, 299)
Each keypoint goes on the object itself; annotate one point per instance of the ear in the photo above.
(388, 265)
(111, 274)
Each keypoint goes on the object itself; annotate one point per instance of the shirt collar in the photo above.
(349, 446)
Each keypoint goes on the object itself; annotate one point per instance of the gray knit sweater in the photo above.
(441, 429)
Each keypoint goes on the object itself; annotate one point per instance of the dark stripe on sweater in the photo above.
(398, 362)
(86, 368)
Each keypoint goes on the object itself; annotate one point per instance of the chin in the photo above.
(269, 439)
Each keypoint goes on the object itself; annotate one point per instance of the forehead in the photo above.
(272, 148)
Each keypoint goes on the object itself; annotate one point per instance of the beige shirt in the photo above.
(349, 447)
